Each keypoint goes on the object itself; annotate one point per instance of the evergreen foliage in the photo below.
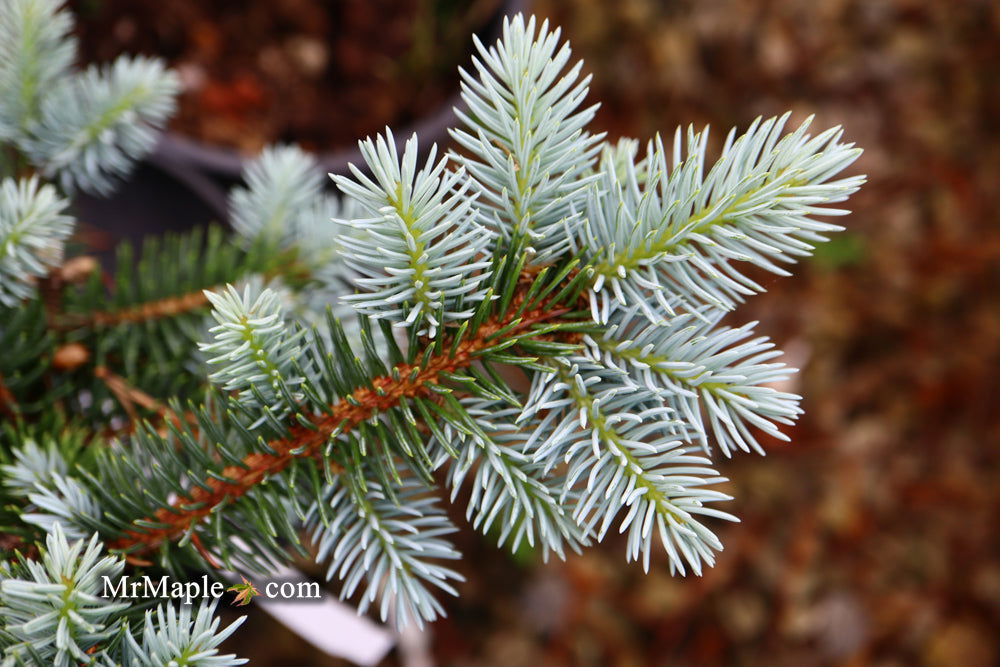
(668, 230)
(33, 229)
(172, 637)
(525, 133)
(53, 608)
(93, 125)
(325, 375)
(37, 50)
(421, 254)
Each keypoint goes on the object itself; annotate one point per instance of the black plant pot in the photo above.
(184, 183)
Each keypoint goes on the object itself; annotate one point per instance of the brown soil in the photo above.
(317, 73)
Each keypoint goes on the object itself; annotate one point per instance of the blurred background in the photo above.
(871, 539)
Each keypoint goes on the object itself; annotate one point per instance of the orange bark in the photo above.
(303, 442)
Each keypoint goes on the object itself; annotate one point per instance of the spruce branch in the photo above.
(407, 381)
(670, 235)
(33, 465)
(254, 353)
(599, 273)
(94, 125)
(511, 492)
(169, 280)
(36, 51)
(33, 230)
(281, 185)
(524, 133)
(55, 610)
(625, 454)
(419, 251)
(283, 205)
(64, 501)
(368, 533)
(172, 636)
(25, 340)
(705, 372)
(152, 311)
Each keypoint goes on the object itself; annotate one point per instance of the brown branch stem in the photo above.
(129, 396)
(143, 312)
(305, 442)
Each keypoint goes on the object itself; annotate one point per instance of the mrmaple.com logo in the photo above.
(146, 587)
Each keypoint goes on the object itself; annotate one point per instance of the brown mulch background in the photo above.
(872, 538)
(322, 74)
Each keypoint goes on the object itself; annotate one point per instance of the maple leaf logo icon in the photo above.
(245, 592)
